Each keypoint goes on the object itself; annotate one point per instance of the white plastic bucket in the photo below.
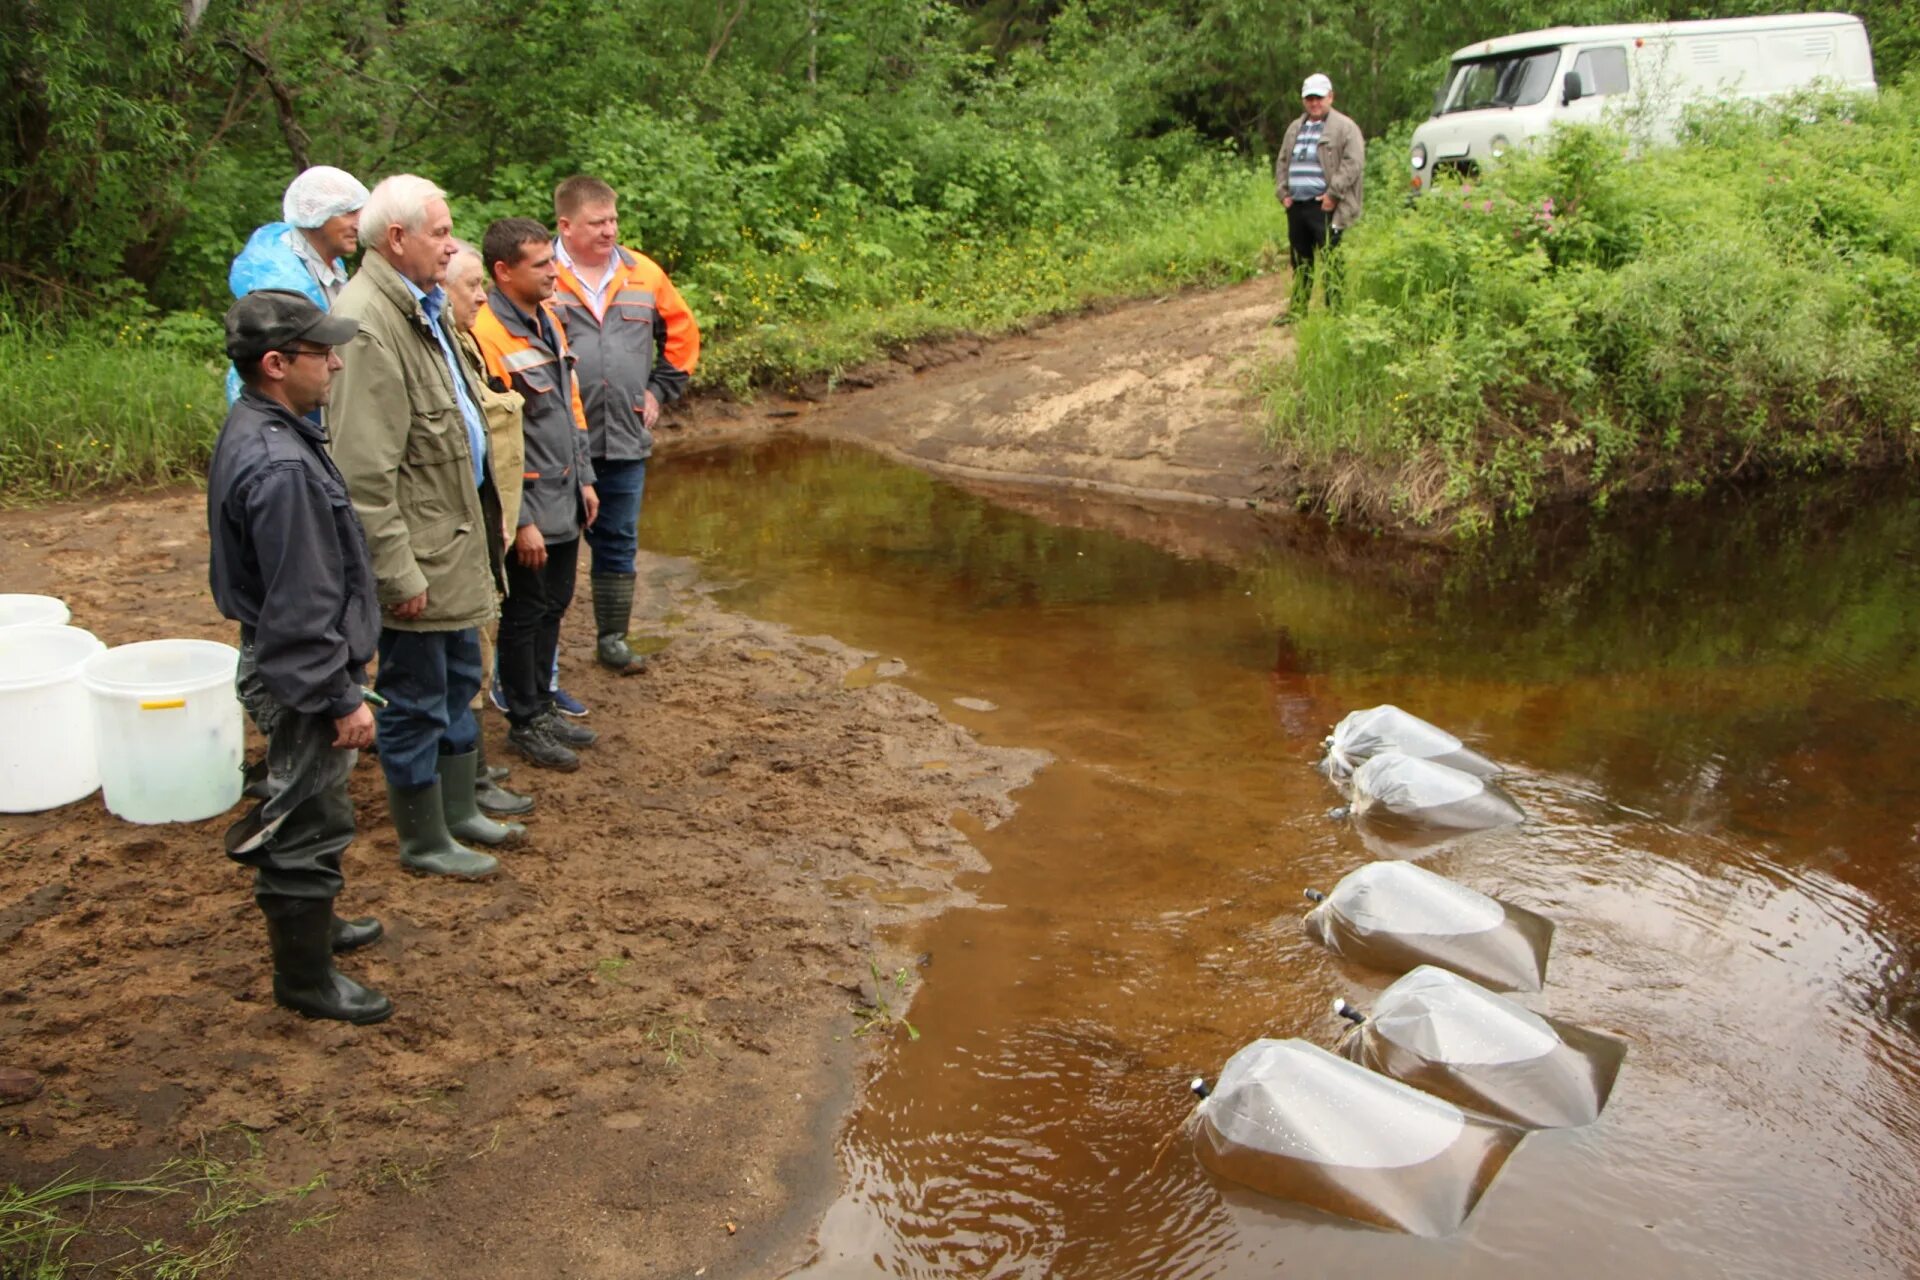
(33, 611)
(169, 729)
(46, 755)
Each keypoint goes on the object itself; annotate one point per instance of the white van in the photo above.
(1501, 93)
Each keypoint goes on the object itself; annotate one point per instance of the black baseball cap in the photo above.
(275, 319)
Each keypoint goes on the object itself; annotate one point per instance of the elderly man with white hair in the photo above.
(307, 250)
(410, 438)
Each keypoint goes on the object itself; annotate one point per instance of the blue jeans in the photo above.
(615, 535)
(429, 679)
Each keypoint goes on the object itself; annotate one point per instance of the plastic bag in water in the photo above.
(1366, 734)
(1422, 791)
(1453, 1038)
(1396, 916)
(1298, 1123)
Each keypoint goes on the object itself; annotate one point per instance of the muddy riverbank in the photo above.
(625, 1057)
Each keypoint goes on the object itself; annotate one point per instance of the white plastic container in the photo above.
(46, 754)
(169, 729)
(33, 611)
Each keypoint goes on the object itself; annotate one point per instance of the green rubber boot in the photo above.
(494, 799)
(458, 774)
(612, 615)
(426, 845)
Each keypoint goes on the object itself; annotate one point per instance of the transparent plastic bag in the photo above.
(1298, 1123)
(1366, 734)
(1452, 1038)
(1433, 794)
(1395, 916)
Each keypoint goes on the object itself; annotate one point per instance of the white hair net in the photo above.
(320, 193)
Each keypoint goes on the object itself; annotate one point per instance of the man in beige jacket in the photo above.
(410, 439)
(1318, 176)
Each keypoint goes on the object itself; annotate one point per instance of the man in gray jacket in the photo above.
(410, 439)
(1318, 176)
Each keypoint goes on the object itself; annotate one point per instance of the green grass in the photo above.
(112, 405)
(117, 403)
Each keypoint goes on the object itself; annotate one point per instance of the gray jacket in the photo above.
(1343, 155)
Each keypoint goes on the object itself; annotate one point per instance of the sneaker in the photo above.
(566, 704)
(573, 735)
(534, 744)
(497, 695)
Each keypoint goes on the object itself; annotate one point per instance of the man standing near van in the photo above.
(637, 344)
(1318, 176)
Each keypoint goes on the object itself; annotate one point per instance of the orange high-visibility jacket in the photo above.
(645, 340)
(554, 423)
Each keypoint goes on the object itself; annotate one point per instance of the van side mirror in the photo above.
(1573, 90)
(1439, 99)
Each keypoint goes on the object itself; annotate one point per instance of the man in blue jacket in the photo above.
(307, 251)
(289, 563)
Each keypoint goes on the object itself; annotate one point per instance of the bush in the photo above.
(1579, 322)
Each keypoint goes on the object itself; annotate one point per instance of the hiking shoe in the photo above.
(497, 695)
(566, 704)
(572, 735)
(537, 746)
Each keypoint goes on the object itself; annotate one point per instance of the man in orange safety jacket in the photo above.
(526, 350)
(637, 345)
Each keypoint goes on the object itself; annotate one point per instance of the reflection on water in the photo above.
(1713, 715)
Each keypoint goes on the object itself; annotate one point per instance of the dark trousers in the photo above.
(530, 627)
(1311, 238)
(615, 535)
(293, 840)
(429, 679)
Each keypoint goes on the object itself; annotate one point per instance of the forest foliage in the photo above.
(823, 177)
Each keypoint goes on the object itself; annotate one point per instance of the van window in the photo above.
(1508, 80)
(1602, 71)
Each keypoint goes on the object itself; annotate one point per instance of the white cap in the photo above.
(320, 193)
(1317, 86)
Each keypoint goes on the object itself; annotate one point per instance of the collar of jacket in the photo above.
(518, 323)
(396, 289)
(269, 407)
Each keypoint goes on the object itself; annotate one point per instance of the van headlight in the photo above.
(1499, 145)
(1419, 156)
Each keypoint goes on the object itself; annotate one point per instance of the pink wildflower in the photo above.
(1487, 207)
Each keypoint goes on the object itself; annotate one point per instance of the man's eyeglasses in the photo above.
(297, 352)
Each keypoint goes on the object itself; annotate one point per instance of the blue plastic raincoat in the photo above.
(269, 262)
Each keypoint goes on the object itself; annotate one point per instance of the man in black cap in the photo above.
(290, 565)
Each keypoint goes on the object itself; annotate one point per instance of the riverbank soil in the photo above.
(624, 1057)
(1154, 399)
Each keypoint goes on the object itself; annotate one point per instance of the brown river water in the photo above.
(1712, 715)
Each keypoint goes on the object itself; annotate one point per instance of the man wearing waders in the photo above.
(1319, 177)
(290, 565)
(637, 345)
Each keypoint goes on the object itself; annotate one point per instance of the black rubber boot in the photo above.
(458, 775)
(350, 935)
(535, 743)
(304, 980)
(612, 615)
(490, 795)
(426, 845)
